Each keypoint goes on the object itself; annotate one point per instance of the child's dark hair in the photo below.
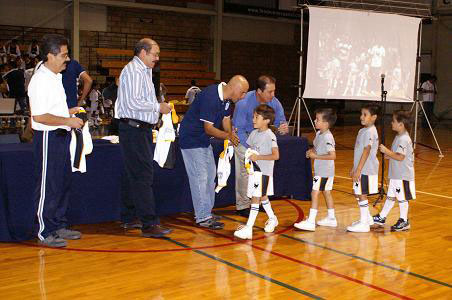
(328, 115)
(373, 109)
(267, 113)
(403, 116)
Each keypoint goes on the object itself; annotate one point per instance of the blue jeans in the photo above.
(201, 170)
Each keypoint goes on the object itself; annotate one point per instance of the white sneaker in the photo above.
(329, 222)
(244, 232)
(271, 224)
(359, 227)
(305, 225)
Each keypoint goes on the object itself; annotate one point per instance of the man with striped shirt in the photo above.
(138, 111)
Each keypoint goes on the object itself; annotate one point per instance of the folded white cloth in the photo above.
(224, 165)
(165, 137)
(80, 146)
(249, 164)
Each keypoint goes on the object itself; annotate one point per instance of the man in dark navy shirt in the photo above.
(209, 111)
(16, 85)
(73, 72)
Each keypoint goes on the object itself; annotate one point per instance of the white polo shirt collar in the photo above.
(220, 90)
(47, 71)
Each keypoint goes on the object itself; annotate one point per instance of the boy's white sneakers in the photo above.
(359, 226)
(305, 225)
(244, 232)
(328, 222)
(271, 224)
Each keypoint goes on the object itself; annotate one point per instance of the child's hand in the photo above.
(356, 176)
(253, 157)
(310, 153)
(383, 149)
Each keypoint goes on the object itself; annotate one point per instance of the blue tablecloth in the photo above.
(95, 194)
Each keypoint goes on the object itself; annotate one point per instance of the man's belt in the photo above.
(137, 123)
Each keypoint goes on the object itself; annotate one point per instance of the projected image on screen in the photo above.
(349, 50)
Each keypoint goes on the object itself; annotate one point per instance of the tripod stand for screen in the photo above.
(381, 192)
(296, 109)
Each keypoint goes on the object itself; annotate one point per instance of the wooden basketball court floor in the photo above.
(195, 263)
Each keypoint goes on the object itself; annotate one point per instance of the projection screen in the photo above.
(349, 50)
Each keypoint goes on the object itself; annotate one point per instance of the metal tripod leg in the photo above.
(431, 130)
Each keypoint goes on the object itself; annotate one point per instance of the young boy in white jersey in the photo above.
(260, 183)
(400, 173)
(365, 167)
(324, 154)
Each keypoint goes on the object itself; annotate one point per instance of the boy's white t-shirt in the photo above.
(263, 142)
(367, 136)
(324, 143)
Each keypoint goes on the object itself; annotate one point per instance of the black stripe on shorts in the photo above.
(264, 185)
(407, 190)
(364, 185)
(323, 182)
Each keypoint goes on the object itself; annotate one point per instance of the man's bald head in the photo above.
(148, 51)
(238, 86)
(144, 44)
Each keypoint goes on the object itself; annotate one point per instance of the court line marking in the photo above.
(353, 256)
(417, 191)
(230, 264)
(308, 264)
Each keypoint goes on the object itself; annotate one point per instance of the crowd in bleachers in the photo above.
(17, 68)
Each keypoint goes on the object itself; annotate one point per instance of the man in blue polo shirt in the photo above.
(73, 72)
(209, 111)
(243, 122)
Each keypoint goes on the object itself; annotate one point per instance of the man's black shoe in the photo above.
(155, 231)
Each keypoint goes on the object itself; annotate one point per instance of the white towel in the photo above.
(224, 165)
(165, 137)
(81, 145)
(249, 164)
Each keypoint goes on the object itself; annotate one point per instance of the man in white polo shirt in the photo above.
(428, 89)
(52, 122)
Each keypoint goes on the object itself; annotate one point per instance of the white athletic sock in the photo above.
(404, 210)
(331, 213)
(268, 208)
(254, 210)
(312, 215)
(364, 210)
(389, 204)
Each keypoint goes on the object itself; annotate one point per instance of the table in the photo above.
(94, 195)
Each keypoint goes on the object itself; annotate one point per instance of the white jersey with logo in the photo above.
(324, 143)
(403, 170)
(367, 136)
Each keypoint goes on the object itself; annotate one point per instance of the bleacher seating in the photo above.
(177, 68)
